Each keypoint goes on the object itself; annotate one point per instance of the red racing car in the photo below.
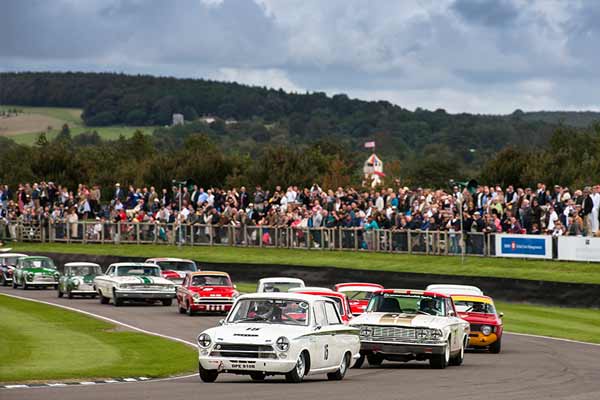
(174, 269)
(359, 294)
(206, 291)
(341, 300)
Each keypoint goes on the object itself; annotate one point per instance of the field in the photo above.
(40, 342)
(473, 266)
(26, 126)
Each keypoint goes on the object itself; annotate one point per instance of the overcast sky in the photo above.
(481, 56)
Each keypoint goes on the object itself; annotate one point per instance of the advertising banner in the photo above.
(524, 246)
(575, 248)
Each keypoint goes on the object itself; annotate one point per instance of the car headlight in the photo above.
(204, 340)
(170, 287)
(424, 334)
(124, 286)
(436, 334)
(486, 329)
(196, 296)
(282, 343)
(76, 282)
(366, 331)
(29, 276)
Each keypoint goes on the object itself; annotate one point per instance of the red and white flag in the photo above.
(370, 145)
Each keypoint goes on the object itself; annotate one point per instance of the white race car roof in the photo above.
(133, 264)
(281, 280)
(282, 296)
(168, 259)
(82, 264)
(310, 289)
(12, 255)
(358, 289)
(454, 289)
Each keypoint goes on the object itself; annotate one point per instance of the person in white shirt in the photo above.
(552, 218)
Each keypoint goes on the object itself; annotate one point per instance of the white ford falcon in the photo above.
(406, 324)
(134, 282)
(279, 334)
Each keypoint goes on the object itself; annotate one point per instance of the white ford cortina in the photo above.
(134, 282)
(279, 334)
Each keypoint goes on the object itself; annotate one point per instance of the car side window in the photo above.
(185, 281)
(109, 271)
(449, 308)
(320, 317)
(332, 315)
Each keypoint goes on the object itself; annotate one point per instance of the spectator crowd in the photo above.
(553, 211)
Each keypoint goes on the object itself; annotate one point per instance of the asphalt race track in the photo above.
(528, 368)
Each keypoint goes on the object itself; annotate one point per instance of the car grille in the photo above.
(228, 350)
(145, 287)
(393, 333)
(214, 300)
(475, 327)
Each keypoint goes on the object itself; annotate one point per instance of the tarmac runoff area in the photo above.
(529, 367)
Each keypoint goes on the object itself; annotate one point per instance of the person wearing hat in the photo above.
(119, 193)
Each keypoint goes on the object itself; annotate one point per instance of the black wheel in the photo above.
(103, 299)
(297, 374)
(359, 362)
(94, 296)
(341, 372)
(374, 359)
(55, 287)
(181, 309)
(2, 280)
(440, 361)
(60, 294)
(258, 376)
(459, 358)
(167, 302)
(70, 295)
(14, 283)
(25, 285)
(496, 346)
(188, 309)
(207, 375)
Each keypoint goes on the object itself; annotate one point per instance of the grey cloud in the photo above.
(487, 12)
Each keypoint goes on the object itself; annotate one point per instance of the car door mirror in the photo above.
(501, 314)
(221, 322)
(318, 327)
(235, 286)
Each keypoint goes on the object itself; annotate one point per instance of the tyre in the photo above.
(2, 280)
(117, 302)
(341, 372)
(440, 361)
(258, 376)
(167, 302)
(60, 294)
(25, 285)
(103, 299)
(188, 310)
(297, 374)
(55, 287)
(458, 358)
(207, 375)
(359, 362)
(70, 295)
(181, 309)
(496, 346)
(374, 359)
(14, 283)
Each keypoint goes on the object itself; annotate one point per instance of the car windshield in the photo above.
(474, 307)
(357, 294)
(407, 304)
(338, 304)
(271, 287)
(9, 261)
(272, 311)
(210, 280)
(39, 263)
(136, 270)
(177, 265)
(82, 270)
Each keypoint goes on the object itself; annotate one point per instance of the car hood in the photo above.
(255, 333)
(43, 271)
(399, 319)
(145, 280)
(478, 318)
(173, 274)
(212, 291)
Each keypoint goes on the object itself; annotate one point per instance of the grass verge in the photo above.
(40, 343)
(557, 271)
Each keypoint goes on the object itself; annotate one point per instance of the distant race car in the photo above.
(128, 281)
(341, 300)
(8, 261)
(174, 269)
(407, 324)
(485, 323)
(288, 334)
(358, 294)
(206, 291)
(77, 279)
(278, 284)
(452, 289)
(35, 271)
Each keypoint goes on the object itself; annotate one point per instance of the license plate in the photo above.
(243, 366)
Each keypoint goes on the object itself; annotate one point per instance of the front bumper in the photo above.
(139, 294)
(41, 283)
(391, 348)
(478, 339)
(247, 365)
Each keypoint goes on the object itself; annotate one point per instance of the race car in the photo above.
(8, 261)
(485, 323)
(208, 291)
(77, 279)
(406, 324)
(358, 294)
(174, 269)
(278, 284)
(35, 271)
(288, 334)
(341, 300)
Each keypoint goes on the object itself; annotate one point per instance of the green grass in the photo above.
(40, 342)
(473, 266)
(71, 116)
(569, 323)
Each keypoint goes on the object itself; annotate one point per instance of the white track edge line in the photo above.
(114, 321)
(552, 338)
